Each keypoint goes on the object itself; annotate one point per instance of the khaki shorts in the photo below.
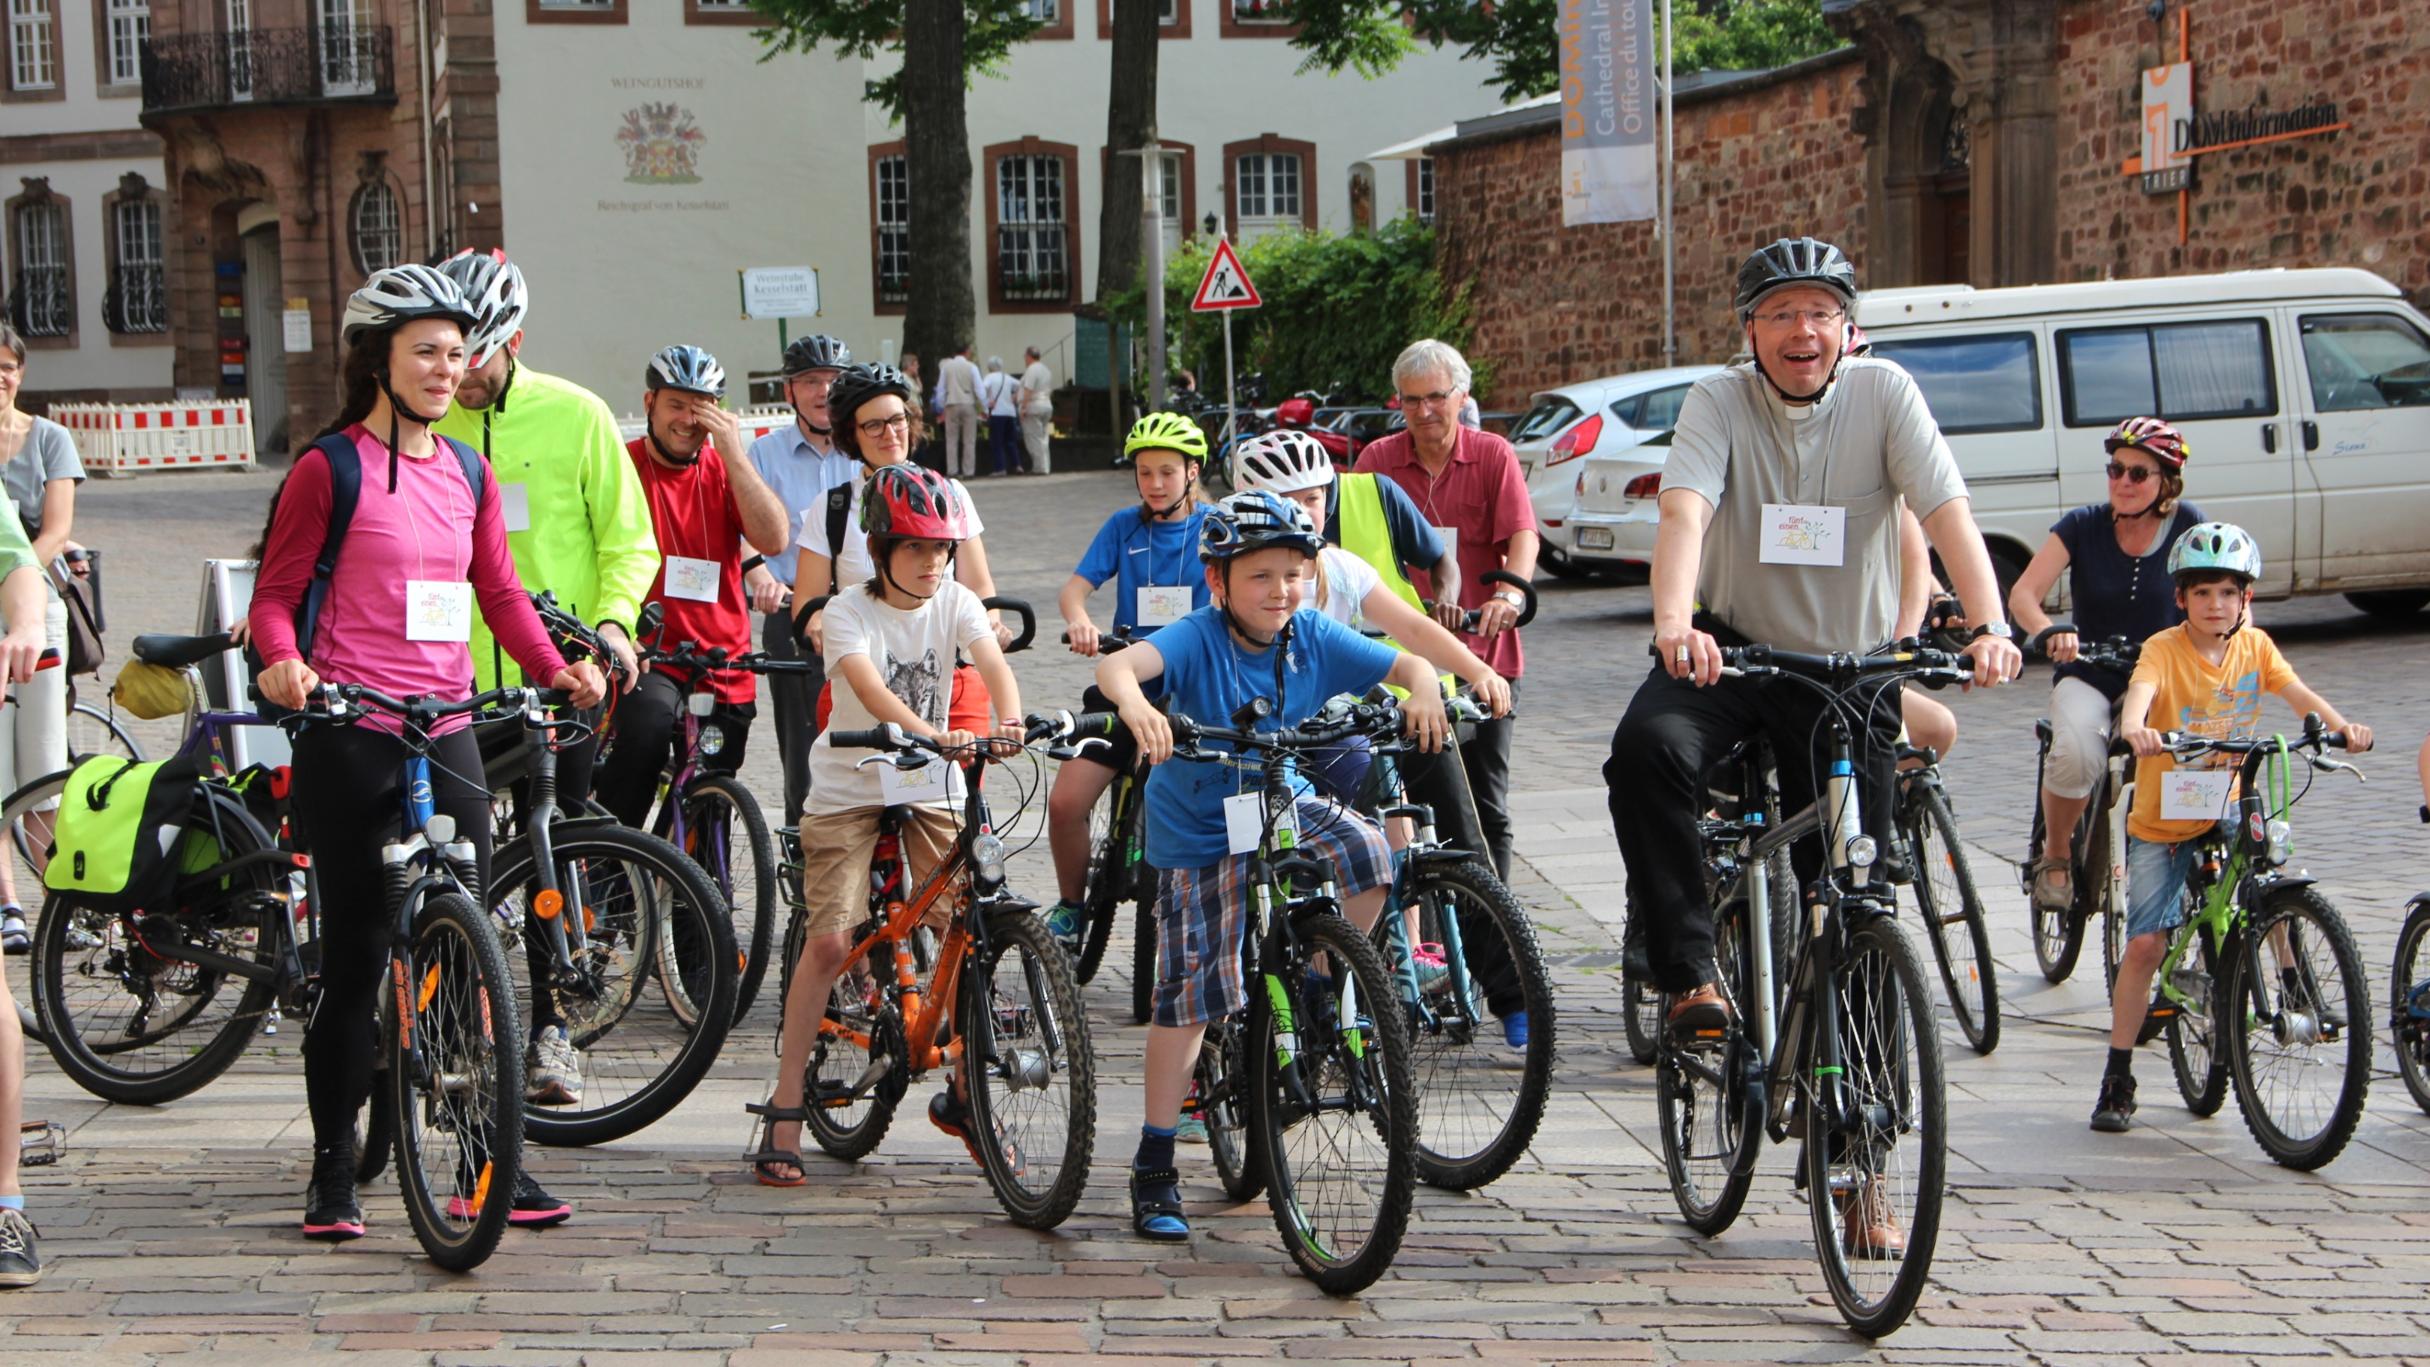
(837, 848)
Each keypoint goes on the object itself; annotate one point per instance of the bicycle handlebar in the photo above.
(1019, 607)
(1527, 590)
(1842, 669)
(2316, 737)
(2118, 652)
(334, 701)
(1036, 727)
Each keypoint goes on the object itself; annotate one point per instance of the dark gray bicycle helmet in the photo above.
(854, 388)
(687, 368)
(1795, 261)
(818, 351)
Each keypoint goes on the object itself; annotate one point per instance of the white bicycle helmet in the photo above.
(494, 287)
(402, 294)
(1283, 461)
(2215, 546)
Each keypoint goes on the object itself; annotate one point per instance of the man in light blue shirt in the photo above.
(801, 464)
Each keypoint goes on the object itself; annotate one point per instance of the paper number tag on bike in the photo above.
(515, 502)
(1244, 822)
(693, 581)
(2195, 794)
(437, 611)
(935, 781)
(1804, 534)
(1161, 605)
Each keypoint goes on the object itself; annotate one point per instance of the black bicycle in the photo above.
(2097, 855)
(1118, 873)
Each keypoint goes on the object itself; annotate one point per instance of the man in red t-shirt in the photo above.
(1467, 484)
(704, 508)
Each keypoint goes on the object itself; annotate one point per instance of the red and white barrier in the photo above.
(756, 423)
(122, 439)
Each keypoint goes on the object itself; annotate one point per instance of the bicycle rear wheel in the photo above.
(1641, 1010)
(727, 835)
(1334, 1098)
(1952, 914)
(27, 849)
(91, 731)
(1874, 1175)
(859, 1069)
(2295, 1015)
(658, 973)
(1029, 1072)
(1106, 869)
(1478, 1105)
(2411, 1012)
(1708, 1144)
(2058, 936)
(1219, 1099)
(459, 1095)
(2194, 1054)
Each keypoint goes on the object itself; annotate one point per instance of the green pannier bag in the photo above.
(118, 824)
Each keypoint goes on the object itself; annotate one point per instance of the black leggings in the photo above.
(348, 801)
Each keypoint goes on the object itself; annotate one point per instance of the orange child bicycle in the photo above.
(1021, 1055)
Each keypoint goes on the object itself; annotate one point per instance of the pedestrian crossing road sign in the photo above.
(1226, 283)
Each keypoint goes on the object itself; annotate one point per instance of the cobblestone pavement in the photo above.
(170, 1230)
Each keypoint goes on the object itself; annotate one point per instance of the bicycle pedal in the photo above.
(40, 1143)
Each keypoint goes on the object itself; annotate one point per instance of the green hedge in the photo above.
(1337, 308)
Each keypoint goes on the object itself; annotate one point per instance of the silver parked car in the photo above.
(1592, 453)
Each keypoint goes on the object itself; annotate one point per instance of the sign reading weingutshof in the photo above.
(1609, 171)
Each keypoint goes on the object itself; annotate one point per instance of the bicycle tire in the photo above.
(29, 854)
(1106, 852)
(1019, 1038)
(1946, 898)
(641, 1055)
(1369, 1064)
(1143, 960)
(851, 1131)
(2293, 909)
(91, 731)
(379, 1131)
(1885, 1050)
(2058, 936)
(1641, 1011)
(1710, 1178)
(1466, 1138)
(149, 1063)
(752, 907)
(458, 1151)
(2411, 981)
(1220, 1080)
(2194, 1055)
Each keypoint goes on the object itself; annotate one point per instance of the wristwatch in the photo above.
(1516, 600)
(2000, 629)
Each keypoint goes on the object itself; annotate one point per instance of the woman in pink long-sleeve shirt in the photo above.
(396, 618)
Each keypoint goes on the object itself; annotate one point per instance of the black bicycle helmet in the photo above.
(1795, 261)
(818, 351)
(855, 387)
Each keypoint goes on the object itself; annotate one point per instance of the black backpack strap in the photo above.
(476, 472)
(345, 491)
(839, 507)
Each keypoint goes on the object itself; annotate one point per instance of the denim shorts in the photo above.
(2155, 885)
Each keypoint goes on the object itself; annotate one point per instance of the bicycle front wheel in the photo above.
(1028, 1071)
(654, 995)
(727, 835)
(2412, 1008)
(2294, 997)
(1334, 1099)
(1952, 914)
(1479, 1101)
(458, 1095)
(1874, 1172)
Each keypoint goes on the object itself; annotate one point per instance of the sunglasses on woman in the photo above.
(2132, 474)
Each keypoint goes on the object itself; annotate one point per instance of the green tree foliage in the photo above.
(865, 28)
(1337, 308)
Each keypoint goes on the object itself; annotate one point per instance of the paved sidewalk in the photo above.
(170, 1230)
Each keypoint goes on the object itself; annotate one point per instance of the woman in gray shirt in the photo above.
(39, 469)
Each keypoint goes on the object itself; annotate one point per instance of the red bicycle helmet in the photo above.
(913, 501)
(2165, 443)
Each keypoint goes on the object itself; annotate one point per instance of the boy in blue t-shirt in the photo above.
(1260, 553)
(1151, 554)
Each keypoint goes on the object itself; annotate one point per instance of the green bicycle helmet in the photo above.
(2215, 546)
(1166, 432)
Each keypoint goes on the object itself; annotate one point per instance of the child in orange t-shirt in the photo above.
(2203, 677)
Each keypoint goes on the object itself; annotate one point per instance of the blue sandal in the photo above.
(1156, 1205)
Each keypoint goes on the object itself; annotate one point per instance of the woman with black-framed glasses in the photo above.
(2115, 554)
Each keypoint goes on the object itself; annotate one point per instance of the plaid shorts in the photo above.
(1202, 915)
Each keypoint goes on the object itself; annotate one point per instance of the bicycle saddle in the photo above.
(176, 652)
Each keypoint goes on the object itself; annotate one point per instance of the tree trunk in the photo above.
(942, 315)
(1130, 118)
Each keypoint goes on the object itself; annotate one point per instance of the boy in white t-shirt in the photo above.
(890, 642)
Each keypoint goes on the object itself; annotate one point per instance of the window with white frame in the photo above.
(1260, 11)
(33, 55)
(1044, 11)
(1267, 191)
(1032, 263)
(1168, 207)
(1168, 12)
(378, 228)
(894, 229)
(139, 297)
(130, 24)
(1425, 190)
(42, 303)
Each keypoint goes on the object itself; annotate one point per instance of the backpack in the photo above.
(345, 491)
(119, 821)
(839, 507)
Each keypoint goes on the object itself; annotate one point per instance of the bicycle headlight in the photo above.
(987, 862)
(1862, 851)
(712, 738)
(2281, 842)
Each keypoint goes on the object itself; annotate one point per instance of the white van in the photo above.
(2304, 396)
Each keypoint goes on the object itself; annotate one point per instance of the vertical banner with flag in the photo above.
(1609, 171)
